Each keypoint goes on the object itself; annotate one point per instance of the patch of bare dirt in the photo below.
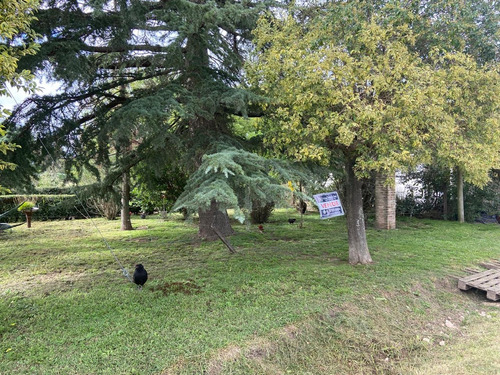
(225, 355)
(185, 287)
(175, 368)
(291, 331)
(447, 283)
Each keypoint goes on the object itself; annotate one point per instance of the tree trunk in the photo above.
(206, 124)
(446, 211)
(445, 204)
(358, 247)
(125, 212)
(385, 202)
(214, 217)
(460, 196)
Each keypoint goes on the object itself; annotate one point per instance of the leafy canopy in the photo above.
(358, 90)
(155, 72)
(364, 79)
(469, 133)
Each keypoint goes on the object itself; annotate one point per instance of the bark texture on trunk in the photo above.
(214, 217)
(206, 124)
(385, 202)
(445, 203)
(460, 196)
(125, 211)
(358, 247)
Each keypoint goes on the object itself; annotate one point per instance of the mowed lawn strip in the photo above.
(65, 307)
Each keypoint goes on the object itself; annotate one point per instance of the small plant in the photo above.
(260, 213)
(107, 208)
(26, 206)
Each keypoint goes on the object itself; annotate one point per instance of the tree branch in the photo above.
(129, 47)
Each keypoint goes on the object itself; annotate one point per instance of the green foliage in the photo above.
(20, 180)
(385, 86)
(436, 187)
(26, 206)
(51, 207)
(62, 289)
(157, 187)
(145, 201)
(4, 147)
(467, 26)
(358, 91)
(235, 179)
(468, 134)
(136, 70)
(247, 128)
(261, 212)
(478, 201)
(16, 40)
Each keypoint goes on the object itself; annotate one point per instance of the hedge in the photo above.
(51, 207)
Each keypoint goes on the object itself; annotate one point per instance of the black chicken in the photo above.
(140, 275)
(291, 221)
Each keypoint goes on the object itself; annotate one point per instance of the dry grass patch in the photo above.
(474, 352)
(367, 335)
(45, 284)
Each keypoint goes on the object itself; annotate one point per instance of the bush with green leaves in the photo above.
(482, 200)
(156, 187)
(260, 213)
(51, 207)
(436, 189)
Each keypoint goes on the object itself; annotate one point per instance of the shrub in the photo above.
(435, 190)
(107, 208)
(52, 207)
(260, 213)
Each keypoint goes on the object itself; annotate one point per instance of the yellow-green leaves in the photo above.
(15, 18)
(468, 136)
(331, 90)
(347, 82)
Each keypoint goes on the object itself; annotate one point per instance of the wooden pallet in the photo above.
(492, 264)
(489, 281)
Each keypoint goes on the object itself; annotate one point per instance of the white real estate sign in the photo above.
(329, 205)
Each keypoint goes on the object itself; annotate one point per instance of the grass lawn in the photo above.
(287, 303)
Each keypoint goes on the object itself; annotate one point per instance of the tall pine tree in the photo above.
(159, 73)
